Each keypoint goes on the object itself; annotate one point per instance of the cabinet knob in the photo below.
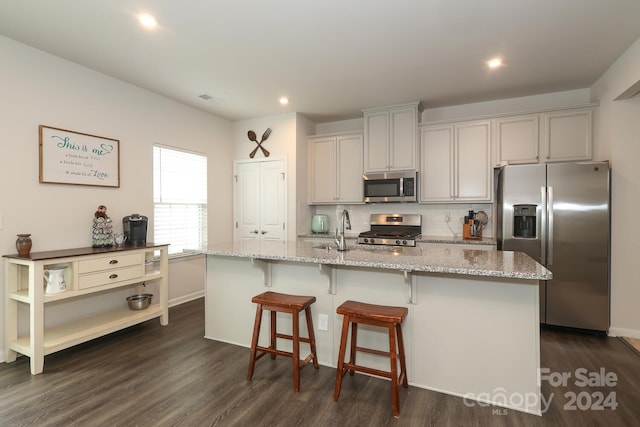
(254, 232)
(113, 261)
(113, 276)
(263, 232)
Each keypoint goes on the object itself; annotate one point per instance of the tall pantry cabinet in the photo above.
(259, 199)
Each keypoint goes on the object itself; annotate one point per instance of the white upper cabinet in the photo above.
(259, 199)
(567, 135)
(517, 140)
(390, 138)
(436, 164)
(556, 136)
(455, 162)
(335, 169)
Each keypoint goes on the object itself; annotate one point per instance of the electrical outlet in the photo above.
(447, 217)
(323, 322)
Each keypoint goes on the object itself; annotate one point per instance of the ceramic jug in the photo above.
(55, 280)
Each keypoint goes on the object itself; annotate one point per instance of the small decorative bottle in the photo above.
(23, 244)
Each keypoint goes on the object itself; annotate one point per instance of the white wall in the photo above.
(620, 126)
(38, 88)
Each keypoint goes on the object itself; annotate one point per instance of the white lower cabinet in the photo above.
(455, 163)
(87, 272)
(335, 169)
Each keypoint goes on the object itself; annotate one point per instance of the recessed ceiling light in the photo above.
(147, 21)
(284, 100)
(494, 63)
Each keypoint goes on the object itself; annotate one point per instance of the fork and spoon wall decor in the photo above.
(252, 137)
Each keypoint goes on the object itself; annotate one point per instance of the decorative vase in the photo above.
(23, 244)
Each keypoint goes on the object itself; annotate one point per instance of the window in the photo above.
(179, 199)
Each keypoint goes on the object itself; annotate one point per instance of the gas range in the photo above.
(392, 230)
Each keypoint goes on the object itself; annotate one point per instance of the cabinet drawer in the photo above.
(110, 276)
(110, 262)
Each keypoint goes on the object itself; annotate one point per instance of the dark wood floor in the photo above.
(149, 375)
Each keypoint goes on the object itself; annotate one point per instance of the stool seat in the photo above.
(372, 312)
(285, 303)
(389, 317)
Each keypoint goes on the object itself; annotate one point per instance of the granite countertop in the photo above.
(422, 239)
(430, 259)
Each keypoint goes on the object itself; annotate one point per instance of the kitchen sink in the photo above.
(396, 250)
(326, 247)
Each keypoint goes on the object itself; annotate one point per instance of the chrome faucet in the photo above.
(344, 220)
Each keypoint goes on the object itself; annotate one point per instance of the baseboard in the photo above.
(186, 298)
(623, 332)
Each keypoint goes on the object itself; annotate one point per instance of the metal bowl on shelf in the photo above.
(140, 301)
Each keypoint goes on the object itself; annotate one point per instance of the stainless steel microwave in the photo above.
(391, 187)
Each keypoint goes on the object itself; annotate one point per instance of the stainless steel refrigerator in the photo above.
(559, 215)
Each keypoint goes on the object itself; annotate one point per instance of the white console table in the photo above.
(89, 271)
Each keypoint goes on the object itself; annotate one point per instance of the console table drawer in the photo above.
(111, 276)
(109, 262)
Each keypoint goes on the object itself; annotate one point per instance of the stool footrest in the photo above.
(290, 338)
(359, 368)
(373, 351)
(266, 350)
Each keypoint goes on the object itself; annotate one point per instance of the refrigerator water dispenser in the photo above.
(524, 221)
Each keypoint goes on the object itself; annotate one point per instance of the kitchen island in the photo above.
(473, 324)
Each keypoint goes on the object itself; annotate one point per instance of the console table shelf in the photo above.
(89, 271)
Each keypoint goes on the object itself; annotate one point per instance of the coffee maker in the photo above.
(134, 227)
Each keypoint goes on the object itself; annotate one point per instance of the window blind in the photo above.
(179, 198)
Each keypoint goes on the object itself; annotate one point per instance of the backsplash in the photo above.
(433, 216)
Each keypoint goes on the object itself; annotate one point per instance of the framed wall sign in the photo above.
(68, 157)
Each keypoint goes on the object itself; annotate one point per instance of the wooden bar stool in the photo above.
(377, 315)
(293, 304)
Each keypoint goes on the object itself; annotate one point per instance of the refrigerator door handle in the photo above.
(550, 225)
(542, 225)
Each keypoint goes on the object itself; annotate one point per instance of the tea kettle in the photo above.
(55, 280)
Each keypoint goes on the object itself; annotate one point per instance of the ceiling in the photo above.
(332, 58)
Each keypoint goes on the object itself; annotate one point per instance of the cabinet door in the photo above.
(349, 177)
(376, 135)
(517, 140)
(322, 170)
(272, 200)
(436, 176)
(403, 144)
(567, 135)
(247, 200)
(473, 157)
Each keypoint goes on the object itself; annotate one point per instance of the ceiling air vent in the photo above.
(210, 98)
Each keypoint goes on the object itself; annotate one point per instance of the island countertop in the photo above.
(446, 260)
